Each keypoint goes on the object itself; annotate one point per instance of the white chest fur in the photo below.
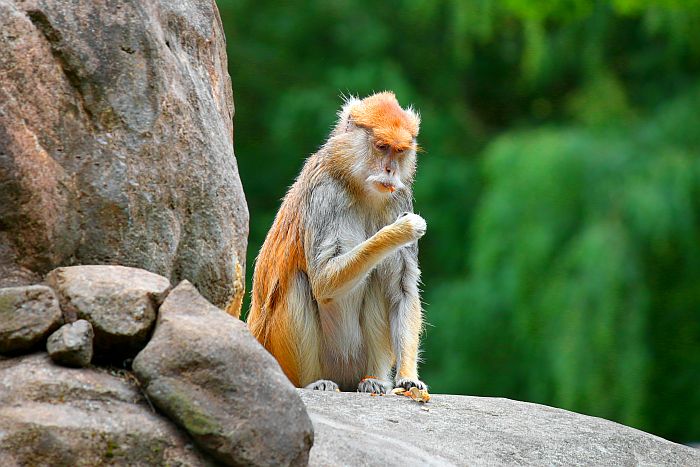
(358, 317)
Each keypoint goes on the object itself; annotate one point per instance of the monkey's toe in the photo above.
(323, 385)
(374, 385)
(408, 383)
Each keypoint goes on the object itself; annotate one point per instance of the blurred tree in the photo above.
(560, 179)
(584, 281)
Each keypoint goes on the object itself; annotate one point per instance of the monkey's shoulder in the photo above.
(326, 200)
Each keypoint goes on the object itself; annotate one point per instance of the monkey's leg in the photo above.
(303, 316)
(323, 385)
(342, 273)
(377, 340)
(406, 323)
(374, 385)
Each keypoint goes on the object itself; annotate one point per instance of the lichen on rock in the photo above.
(27, 315)
(205, 370)
(51, 415)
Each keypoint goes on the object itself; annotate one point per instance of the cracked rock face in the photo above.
(52, 415)
(116, 142)
(205, 370)
(474, 431)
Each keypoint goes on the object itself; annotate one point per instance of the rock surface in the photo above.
(118, 301)
(50, 416)
(207, 373)
(116, 142)
(461, 430)
(27, 315)
(71, 345)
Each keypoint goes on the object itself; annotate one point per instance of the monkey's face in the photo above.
(376, 142)
(389, 168)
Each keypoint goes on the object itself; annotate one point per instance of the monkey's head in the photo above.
(382, 139)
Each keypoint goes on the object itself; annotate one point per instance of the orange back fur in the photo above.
(281, 256)
(390, 124)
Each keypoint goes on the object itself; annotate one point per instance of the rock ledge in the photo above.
(464, 430)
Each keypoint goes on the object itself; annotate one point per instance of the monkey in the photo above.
(335, 295)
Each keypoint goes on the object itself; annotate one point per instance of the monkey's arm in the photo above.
(342, 273)
(406, 348)
(406, 319)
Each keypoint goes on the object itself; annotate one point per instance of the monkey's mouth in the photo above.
(385, 187)
(384, 184)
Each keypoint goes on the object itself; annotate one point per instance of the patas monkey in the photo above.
(335, 289)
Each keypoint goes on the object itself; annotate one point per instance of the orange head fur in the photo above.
(390, 124)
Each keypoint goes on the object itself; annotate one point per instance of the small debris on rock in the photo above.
(418, 395)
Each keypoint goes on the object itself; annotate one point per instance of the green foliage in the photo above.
(584, 241)
(560, 181)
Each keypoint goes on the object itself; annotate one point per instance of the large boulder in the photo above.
(50, 415)
(116, 142)
(462, 430)
(118, 301)
(205, 371)
(27, 315)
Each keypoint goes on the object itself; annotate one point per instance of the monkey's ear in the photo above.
(345, 123)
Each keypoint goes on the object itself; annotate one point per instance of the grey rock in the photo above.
(205, 371)
(56, 416)
(27, 315)
(361, 430)
(120, 303)
(71, 345)
(116, 142)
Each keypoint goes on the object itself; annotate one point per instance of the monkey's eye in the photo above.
(381, 147)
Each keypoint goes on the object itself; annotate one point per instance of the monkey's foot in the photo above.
(408, 383)
(374, 385)
(323, 385)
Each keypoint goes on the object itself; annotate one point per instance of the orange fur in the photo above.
(384, 240)
(409, 354)
(280, 257)
(390, 124)
(234, 305)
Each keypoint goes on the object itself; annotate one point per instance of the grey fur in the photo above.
(323, 385)
(407, 383)
(375, 386)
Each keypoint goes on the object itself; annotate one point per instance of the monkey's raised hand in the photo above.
(413, 225)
